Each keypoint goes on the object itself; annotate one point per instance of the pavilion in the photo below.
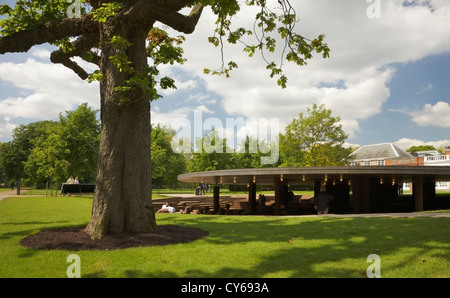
(369, 189)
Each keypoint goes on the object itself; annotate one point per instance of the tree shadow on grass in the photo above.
(322, 246)
(251, 247)
(8, 235)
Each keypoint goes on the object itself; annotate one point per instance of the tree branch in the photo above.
(182, 23)
(51, 31)
(82, 45)
(167, 13)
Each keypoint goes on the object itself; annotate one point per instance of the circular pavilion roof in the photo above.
(267, 176)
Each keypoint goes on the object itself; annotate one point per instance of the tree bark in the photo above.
(122, 198)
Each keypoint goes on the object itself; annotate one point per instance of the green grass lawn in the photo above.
(237, 246)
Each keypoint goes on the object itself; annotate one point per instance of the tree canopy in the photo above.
(52, 150)
(421, 148)
(120, 37)
(75, 27)
(69, 147)
(166, 164)
(314, 140)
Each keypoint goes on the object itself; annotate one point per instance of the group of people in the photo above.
(202, 188)
(72, 180)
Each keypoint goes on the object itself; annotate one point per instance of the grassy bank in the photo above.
(235, 247)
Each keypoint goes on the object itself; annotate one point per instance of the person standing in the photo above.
(322, 202)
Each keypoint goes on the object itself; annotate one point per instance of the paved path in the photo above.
(9, 194)
(13, 194)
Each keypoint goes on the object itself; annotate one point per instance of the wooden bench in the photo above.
(78, 189)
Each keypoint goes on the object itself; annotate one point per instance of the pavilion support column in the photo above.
(429, 194)
(366, 195)
(278, 196)
(216, 196)
(355, 197)
(317, 185)
(252, 197)
(361, 195)
(418, 193)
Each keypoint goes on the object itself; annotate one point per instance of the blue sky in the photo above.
(388, 77)
(415, 84)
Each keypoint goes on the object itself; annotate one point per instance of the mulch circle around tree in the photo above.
(78, 239)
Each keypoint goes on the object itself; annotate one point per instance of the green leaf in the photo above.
(167, 83)
(106, 11)
(119, 42)
(95, 76)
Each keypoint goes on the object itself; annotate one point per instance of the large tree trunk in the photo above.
(122, 198)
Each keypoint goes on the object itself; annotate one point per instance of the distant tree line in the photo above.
(53, 150)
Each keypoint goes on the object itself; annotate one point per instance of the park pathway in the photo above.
(8, 194)
(13, 194)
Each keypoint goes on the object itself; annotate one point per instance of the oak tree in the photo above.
(119, 36)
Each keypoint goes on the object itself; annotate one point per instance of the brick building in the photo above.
(388, 154)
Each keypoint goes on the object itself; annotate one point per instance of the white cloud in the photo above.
(180, 85)
(353, 83)
(40, 53)
(406, 143)
(174, 119)
(201, 98)
(433, 115)
(5, 127)
(361, 51)
(425, 89)
(51, 79)
(204, 109)
(46, 89)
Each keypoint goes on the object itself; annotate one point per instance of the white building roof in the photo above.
(380, 152)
